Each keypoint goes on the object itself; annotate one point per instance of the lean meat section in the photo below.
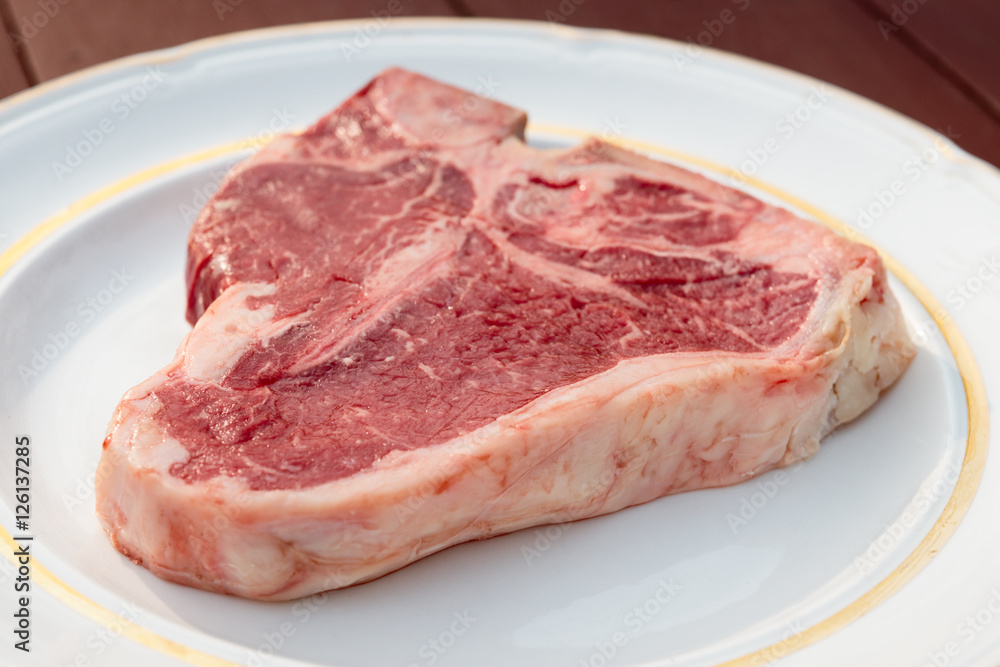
(412, 330)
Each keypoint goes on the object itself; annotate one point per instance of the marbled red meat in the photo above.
(390, 298)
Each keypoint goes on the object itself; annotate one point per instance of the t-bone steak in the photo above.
(412, 330)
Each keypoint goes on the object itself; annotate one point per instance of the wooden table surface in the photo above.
(936, 61)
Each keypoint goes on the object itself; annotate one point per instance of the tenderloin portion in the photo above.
(412, 330)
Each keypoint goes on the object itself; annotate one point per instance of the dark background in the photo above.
(937, 61)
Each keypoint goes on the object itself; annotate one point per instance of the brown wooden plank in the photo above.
(962, 35)
(833, 40)
(70, 34)
(12, 76)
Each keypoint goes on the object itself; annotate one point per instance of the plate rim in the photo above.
(454, 23)
(977, 442)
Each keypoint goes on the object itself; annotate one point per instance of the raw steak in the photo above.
(413, 330)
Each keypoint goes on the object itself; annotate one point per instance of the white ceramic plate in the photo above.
(880, 550)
